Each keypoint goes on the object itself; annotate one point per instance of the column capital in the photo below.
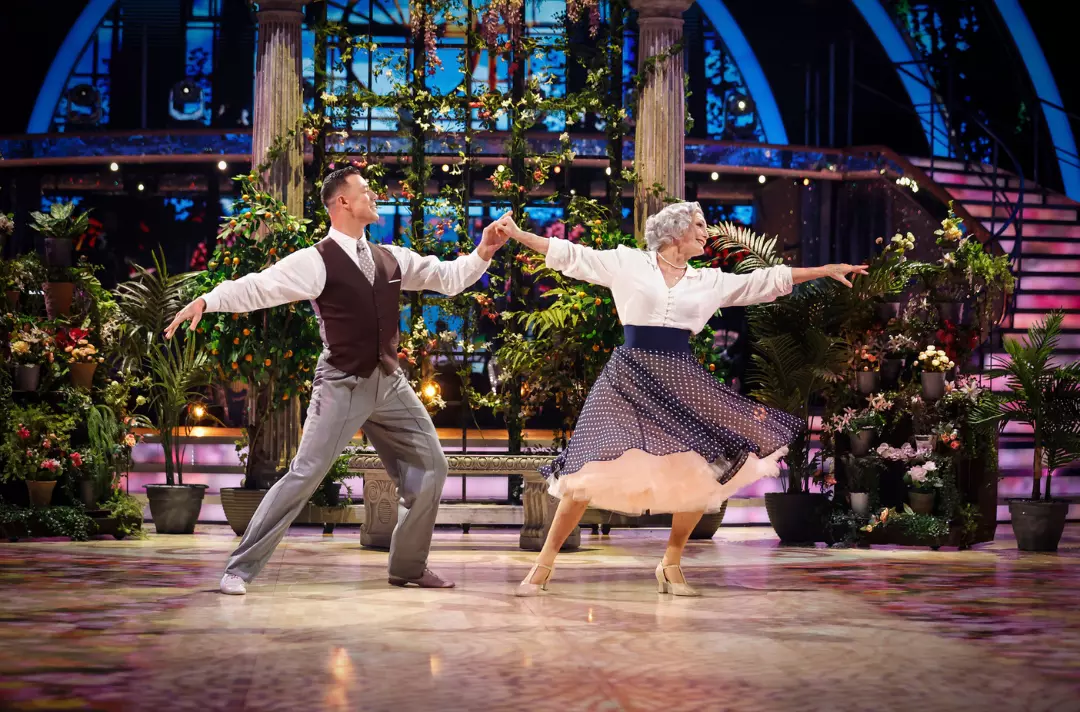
(661, 9)
(281, 10)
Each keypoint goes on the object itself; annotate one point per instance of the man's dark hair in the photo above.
(334, 182)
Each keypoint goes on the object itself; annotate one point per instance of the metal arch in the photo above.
(1042, 79)
(64, 61)
(900, 54)
(772, 124)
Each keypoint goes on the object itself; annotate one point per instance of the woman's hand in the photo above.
(840, 272)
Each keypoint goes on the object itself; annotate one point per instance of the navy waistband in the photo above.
(657, 338)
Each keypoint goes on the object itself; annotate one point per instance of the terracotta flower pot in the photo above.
(240, 505)
(921, 502)
(933, 385)
(40, 492)
(27, 377)
(58, 298)
(861, 442)
(82, 374)
(867, 381)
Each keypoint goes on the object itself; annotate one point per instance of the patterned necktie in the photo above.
(367, 264)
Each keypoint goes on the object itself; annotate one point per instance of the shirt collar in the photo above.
(344, 240)
(654, 260)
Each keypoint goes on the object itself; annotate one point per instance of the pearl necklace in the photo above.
(669, 262)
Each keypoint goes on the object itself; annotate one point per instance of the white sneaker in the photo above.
(233, 585)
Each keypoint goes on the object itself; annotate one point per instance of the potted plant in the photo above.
(898, 349)
(861, 427)
(329, 492)
(179, 369)
(272, 352)
(867, 367)
(35, 450)
(81, 356)
(21, 275)
(31, 347)
(1046, 398)
(7, 227)
(923, 480)
(862, 478)
(60, 226)
(934, 363)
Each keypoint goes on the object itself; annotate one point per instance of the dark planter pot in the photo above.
(891, 368)
(887, 311)
(861, 442)
(867, 381)
(58, 251)
(800, 518)
(240, 505)
(1038, 524)
(921, 502)
(933, 385)
(27, 378)
(88, 493)
(175, 508)
(58, 298)
(708, 524)
(12, 296)
(950, 311)
(82, 374)
(41, 493)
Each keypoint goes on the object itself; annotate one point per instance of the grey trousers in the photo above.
(397, 424)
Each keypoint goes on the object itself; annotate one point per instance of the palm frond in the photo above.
(760, 250)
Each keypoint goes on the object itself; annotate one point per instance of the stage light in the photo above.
(84, 105)
(222, 166)
(558, 169)
(714, 175)
(739, 104)
(573, 192)
(114, 166)
(141, 187)
(446, 168)
(608, 170)
(198, 411)
(186, 102)
(430, 390)
(806, 181)
(761, 179)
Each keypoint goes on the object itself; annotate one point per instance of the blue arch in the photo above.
(1046, 88)
(64, 62)
(768, 112)
(898, 51)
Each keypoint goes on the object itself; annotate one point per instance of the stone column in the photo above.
(660, 134)
(279, 104)
(279, 100)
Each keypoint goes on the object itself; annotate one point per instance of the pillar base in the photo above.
(539, 511)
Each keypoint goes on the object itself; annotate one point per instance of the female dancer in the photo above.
(657, 431)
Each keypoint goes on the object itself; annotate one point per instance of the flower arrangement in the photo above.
(900, 346)
(852, 421)
(952, 230)
(7, 225)
(866, 360)
(935, 360)
(30, 345)
(75, 343)
(904, 453)
(925, 477)
(948, 435)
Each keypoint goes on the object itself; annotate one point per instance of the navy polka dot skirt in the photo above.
(659, 433)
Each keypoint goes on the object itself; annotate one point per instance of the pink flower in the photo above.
(24, 434)
(46, 444)
(917, 474)
(129, 440)
(76, 459)
(50, 465)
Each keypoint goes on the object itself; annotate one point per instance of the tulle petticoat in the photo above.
(659, 433)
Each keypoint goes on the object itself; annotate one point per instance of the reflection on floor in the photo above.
(138, 625)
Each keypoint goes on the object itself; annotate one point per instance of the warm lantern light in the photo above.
(446, 168)
(198, 411)
(430, 389)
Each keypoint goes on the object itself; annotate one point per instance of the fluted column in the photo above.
(660, 135)
(279, 100)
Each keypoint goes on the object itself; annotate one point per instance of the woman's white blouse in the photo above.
(643, 298)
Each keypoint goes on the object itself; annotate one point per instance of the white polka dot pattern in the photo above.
(663, 402)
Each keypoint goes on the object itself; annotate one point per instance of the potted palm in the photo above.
(60, 226)
(1046, 398)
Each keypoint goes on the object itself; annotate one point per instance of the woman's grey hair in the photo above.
(675, 219)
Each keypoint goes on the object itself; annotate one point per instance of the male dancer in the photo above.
(354, 286)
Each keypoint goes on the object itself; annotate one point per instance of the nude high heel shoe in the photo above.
(526, 589)
(677, 589)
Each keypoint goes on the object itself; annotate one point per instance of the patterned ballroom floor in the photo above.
(138, 625)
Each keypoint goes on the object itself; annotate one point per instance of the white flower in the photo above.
(564, 137)
(922, 356)
(329, 98)
(935, 362)
(930, 466)
(931, 348)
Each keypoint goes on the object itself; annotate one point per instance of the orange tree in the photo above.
(273, 350)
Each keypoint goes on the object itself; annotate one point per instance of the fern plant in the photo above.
(148, 302)
(758, 251)
(1044, 396)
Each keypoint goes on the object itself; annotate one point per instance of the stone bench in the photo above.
(381, 499)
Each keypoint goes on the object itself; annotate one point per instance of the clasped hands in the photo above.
(496, 234)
